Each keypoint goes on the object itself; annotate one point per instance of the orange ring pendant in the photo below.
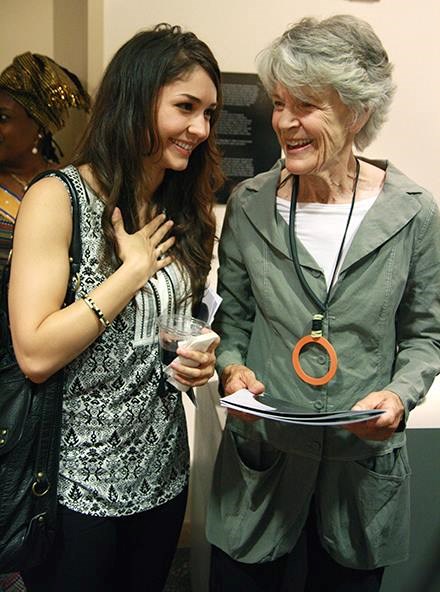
(324, 343)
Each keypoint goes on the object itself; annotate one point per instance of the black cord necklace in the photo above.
(317, 319)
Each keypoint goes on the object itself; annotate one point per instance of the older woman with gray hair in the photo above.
(329, 273)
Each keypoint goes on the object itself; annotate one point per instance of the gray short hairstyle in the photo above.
(342, 53)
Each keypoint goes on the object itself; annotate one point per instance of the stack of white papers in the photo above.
(279, 410)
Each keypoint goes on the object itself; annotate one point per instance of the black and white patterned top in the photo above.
(124, 444)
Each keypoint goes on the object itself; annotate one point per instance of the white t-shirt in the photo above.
(320, 228)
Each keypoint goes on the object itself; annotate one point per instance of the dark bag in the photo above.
(30, 430)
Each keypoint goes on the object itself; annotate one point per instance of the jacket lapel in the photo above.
(392, 210)
(389, 214)
(260, 209)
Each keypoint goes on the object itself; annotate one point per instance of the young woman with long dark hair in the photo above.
(146, 175)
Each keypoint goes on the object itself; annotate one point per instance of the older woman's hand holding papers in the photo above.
(236, 377)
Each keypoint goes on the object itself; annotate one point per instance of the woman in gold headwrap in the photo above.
(35, 96)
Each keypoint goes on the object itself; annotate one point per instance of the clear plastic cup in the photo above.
(174, 328)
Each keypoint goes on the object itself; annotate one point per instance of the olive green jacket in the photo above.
(384, 323)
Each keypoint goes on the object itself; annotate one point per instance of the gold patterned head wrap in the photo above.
(45, 89)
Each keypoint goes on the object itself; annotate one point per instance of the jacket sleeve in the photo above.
(234, 319)
(417, 359)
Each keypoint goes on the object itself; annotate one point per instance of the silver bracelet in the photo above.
(98, 312)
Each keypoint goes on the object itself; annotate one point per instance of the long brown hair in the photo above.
(123, 130)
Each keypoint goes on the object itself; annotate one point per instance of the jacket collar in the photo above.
(389, 214)
(392, 210)
(259, 205)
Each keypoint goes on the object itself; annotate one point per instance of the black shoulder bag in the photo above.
(30, 430)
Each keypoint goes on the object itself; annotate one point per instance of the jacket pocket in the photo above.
(364, 513)
(259, 499)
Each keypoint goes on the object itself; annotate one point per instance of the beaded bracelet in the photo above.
(98, 312)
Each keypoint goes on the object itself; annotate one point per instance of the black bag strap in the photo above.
(5, 336)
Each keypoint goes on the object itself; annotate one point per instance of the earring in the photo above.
(39, 138)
